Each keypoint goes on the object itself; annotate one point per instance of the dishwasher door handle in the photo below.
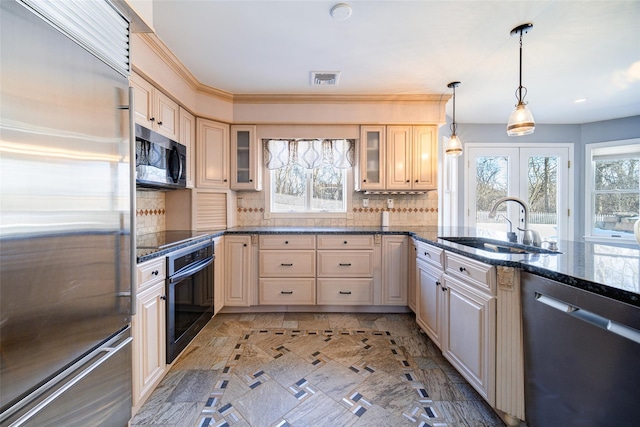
(591, 318)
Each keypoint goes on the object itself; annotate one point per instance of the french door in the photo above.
(535, 173)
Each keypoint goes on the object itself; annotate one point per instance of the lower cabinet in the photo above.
(148, 330)
(218, 274)
(395, 258)
(469, 334)
(238, 270)
(429, 313)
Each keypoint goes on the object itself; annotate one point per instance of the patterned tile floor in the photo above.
(309, 369)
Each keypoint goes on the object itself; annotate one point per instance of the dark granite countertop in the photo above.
(605, 269)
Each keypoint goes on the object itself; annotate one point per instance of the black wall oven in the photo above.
(189, 295)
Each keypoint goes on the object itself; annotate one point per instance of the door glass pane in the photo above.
(492, 182)
(542, 194)
(373, 157)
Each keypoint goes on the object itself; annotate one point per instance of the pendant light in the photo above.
(521, 120)
(454, 146)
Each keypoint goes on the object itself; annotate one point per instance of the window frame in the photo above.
(621, 147)
(348, 190)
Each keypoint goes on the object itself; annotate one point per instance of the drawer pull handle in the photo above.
(428, 254)
(345, 264)
(287, 265)
(462, 269)
(286, 292)
(444, 289)
(155, 272)
(345, 292)
(437, 283)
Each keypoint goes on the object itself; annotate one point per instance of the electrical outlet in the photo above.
(365, 203)
(390, 203)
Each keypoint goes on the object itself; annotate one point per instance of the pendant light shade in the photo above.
(521, 121)
(454, 146)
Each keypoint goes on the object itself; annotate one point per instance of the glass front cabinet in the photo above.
(371, 167)
(246, 170)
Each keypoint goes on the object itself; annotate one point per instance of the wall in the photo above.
(577, 134)
(150, 212)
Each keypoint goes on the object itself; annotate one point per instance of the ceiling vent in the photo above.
(325, 78)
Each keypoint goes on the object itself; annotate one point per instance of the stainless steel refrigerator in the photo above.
(65, 215)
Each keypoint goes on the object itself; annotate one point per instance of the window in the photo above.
(536, 173)
(613, 190)
(309, 176)
(296, 189)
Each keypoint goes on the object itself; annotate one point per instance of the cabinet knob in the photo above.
(438, 283)
(364, 180)
(345, 242)
(163, 298)
(152, 119)
(224, 180)
(155, 272)
(407, 180)
(427, 254)
(416, 180)
(159, 123)
(250, 180)
(462, 269)
(444, 289)
(286, 242)
(244, 244)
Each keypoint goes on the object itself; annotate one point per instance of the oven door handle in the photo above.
(201, 265)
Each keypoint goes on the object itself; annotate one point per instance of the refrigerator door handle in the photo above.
(110, 351)
(132, 196)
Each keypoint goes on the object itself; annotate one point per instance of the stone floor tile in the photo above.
(320, 411)
(264, 404)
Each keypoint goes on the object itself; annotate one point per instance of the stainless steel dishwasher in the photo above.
(582, 357)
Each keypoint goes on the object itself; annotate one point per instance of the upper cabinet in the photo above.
(212, 154)
(397, 158)
(246, 170)
(370, 174)
(154, 109)
(188, 139)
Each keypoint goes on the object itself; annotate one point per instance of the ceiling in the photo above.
(576, 49)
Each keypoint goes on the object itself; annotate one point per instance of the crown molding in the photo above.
(335, 99)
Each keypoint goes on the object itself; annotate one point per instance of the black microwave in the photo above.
(160, 162)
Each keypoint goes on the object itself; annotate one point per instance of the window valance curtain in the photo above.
(308, 153)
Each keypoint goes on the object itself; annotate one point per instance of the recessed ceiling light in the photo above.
(580, 100)
(341, 11)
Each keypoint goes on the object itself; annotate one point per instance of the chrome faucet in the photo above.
(529, 236)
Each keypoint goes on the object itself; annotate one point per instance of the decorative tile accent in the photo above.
(302, 390)
(356, 403)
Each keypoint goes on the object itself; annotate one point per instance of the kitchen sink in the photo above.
(499, 246)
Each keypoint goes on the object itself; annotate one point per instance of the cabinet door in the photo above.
(167, 115)
(394, 270)
(430, 296)
(149, 342)
(398, 156)
(425, 158)
(237, 270)
(371, 164)
(469, 335)
(218, 274)
(143, 101)
(188, 139)
(246, 168)
(212, 154)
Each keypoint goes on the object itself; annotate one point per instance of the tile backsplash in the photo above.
(150, 211)
(408, 209)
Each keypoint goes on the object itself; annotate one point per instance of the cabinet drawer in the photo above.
(345, 241)
(287, 291)
(345, 291)
(477, 274)
(345, 264)
(287, 263)
(150, 272)
(287, 241)
(431, 254)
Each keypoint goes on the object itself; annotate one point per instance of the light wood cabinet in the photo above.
(370, 169)
(412, 288)
(246, 166)
(411, 158)
(153, 109)
(429, 314)
(469, 326)
(287, 269)
(395, 259)
(149, 330)
(238, 270)
(218, 274)
(212, 154)
(397, 158)
(188, 139)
